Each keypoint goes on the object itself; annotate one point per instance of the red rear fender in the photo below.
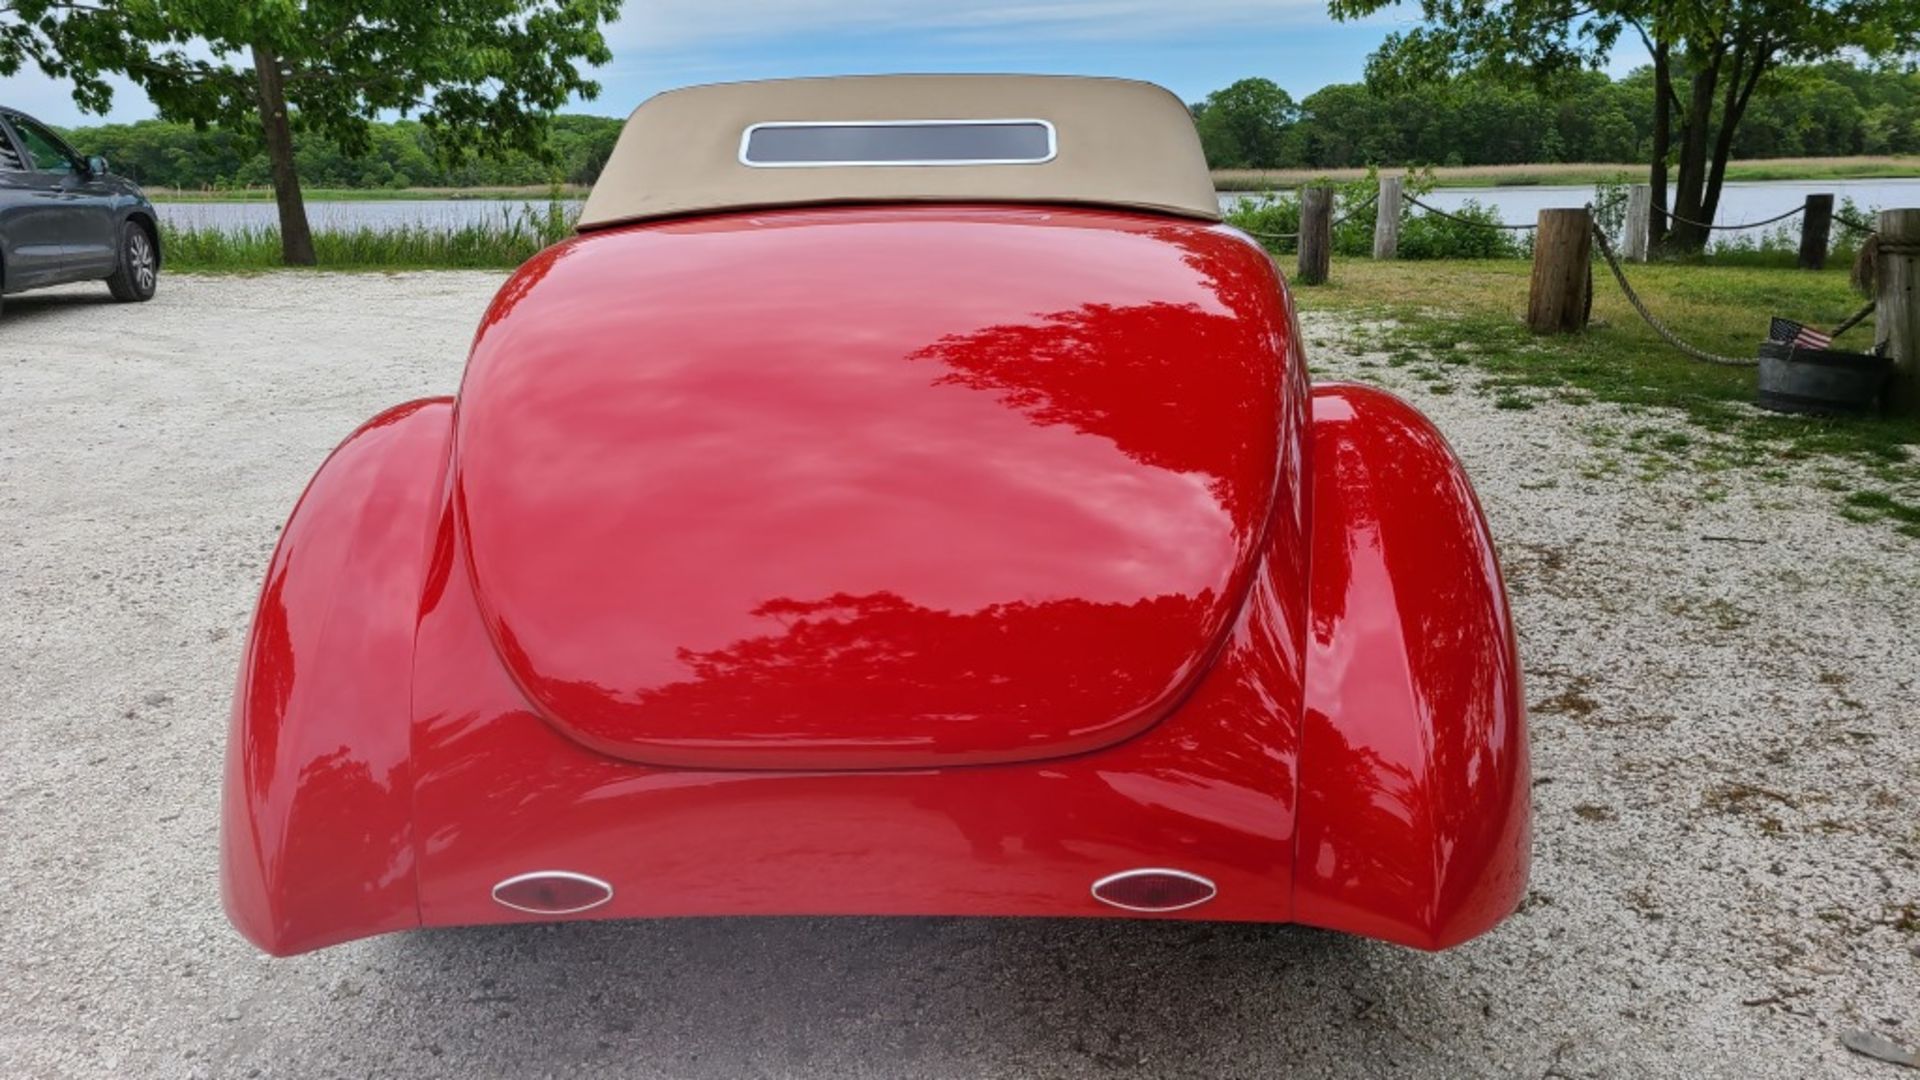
(316, 844)
(1413, 762)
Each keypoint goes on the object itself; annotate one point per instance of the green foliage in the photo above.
(1472, 121)
(1274, 220)
(1541, 39)
(1710, 57)
(400, 154)
(1610, 206)
(480, 74)
(1431, 236)
(1246, 124)
(1827, 109)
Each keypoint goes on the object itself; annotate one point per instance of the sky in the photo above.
(1189, 46)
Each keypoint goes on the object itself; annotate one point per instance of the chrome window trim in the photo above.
(1053, 143)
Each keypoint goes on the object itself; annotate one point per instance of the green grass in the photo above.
(503, 244)
(265, 194)
(1882, 506)
(1470, 312)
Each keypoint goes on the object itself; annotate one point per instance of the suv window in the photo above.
(46, 150)
(10, 160)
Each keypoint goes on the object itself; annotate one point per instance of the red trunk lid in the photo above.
(870, 488)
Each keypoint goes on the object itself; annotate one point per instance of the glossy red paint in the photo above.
(747, 599)
(1001, 504)
(1414, 782)
(316, 841)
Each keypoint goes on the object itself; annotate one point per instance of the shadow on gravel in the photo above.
(28, 306)
(739, 996)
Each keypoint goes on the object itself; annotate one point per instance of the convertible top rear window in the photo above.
(1020, 139)
(898, 142)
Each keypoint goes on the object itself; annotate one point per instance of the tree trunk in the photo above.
(1722, 139)
(1746, 75)
(1662, 144)
(296, 240)
(1688, 233)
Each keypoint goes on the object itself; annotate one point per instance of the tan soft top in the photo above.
(1110, 142)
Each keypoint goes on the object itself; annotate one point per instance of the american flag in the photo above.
(1800, 336)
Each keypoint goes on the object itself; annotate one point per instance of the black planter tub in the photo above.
(1823, 382)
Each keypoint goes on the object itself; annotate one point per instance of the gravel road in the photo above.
(1726, 744)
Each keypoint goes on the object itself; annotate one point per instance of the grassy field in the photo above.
(1442, 318)
(1848, 168)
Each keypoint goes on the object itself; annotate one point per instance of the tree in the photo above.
(1717, 51)
(1245, 125)
(1344, 126)
(480, 74)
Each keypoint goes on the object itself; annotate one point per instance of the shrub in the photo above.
(1430, 236)
(1422, 235)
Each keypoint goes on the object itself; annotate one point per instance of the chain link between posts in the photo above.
(1671, 216)
(1466, 220)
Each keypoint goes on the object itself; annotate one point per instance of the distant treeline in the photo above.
(1821, 110)
(161, 154)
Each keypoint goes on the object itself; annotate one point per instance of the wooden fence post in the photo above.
(1386, 219)
(1639, 221)
(1897, 306)
(1562, 283)
(1316, 234)
(1816, 226)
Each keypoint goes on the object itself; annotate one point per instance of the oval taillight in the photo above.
(552, 892)
(1153, 889)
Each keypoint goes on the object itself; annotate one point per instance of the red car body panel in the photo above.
(1413, 742)
(316, 834)
(994, 507)
(885, 560)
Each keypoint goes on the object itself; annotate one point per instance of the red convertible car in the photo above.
(903, 496)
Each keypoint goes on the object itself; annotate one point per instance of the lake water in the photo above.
(1740, 202)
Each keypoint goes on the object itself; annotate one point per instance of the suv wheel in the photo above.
(139, 271)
